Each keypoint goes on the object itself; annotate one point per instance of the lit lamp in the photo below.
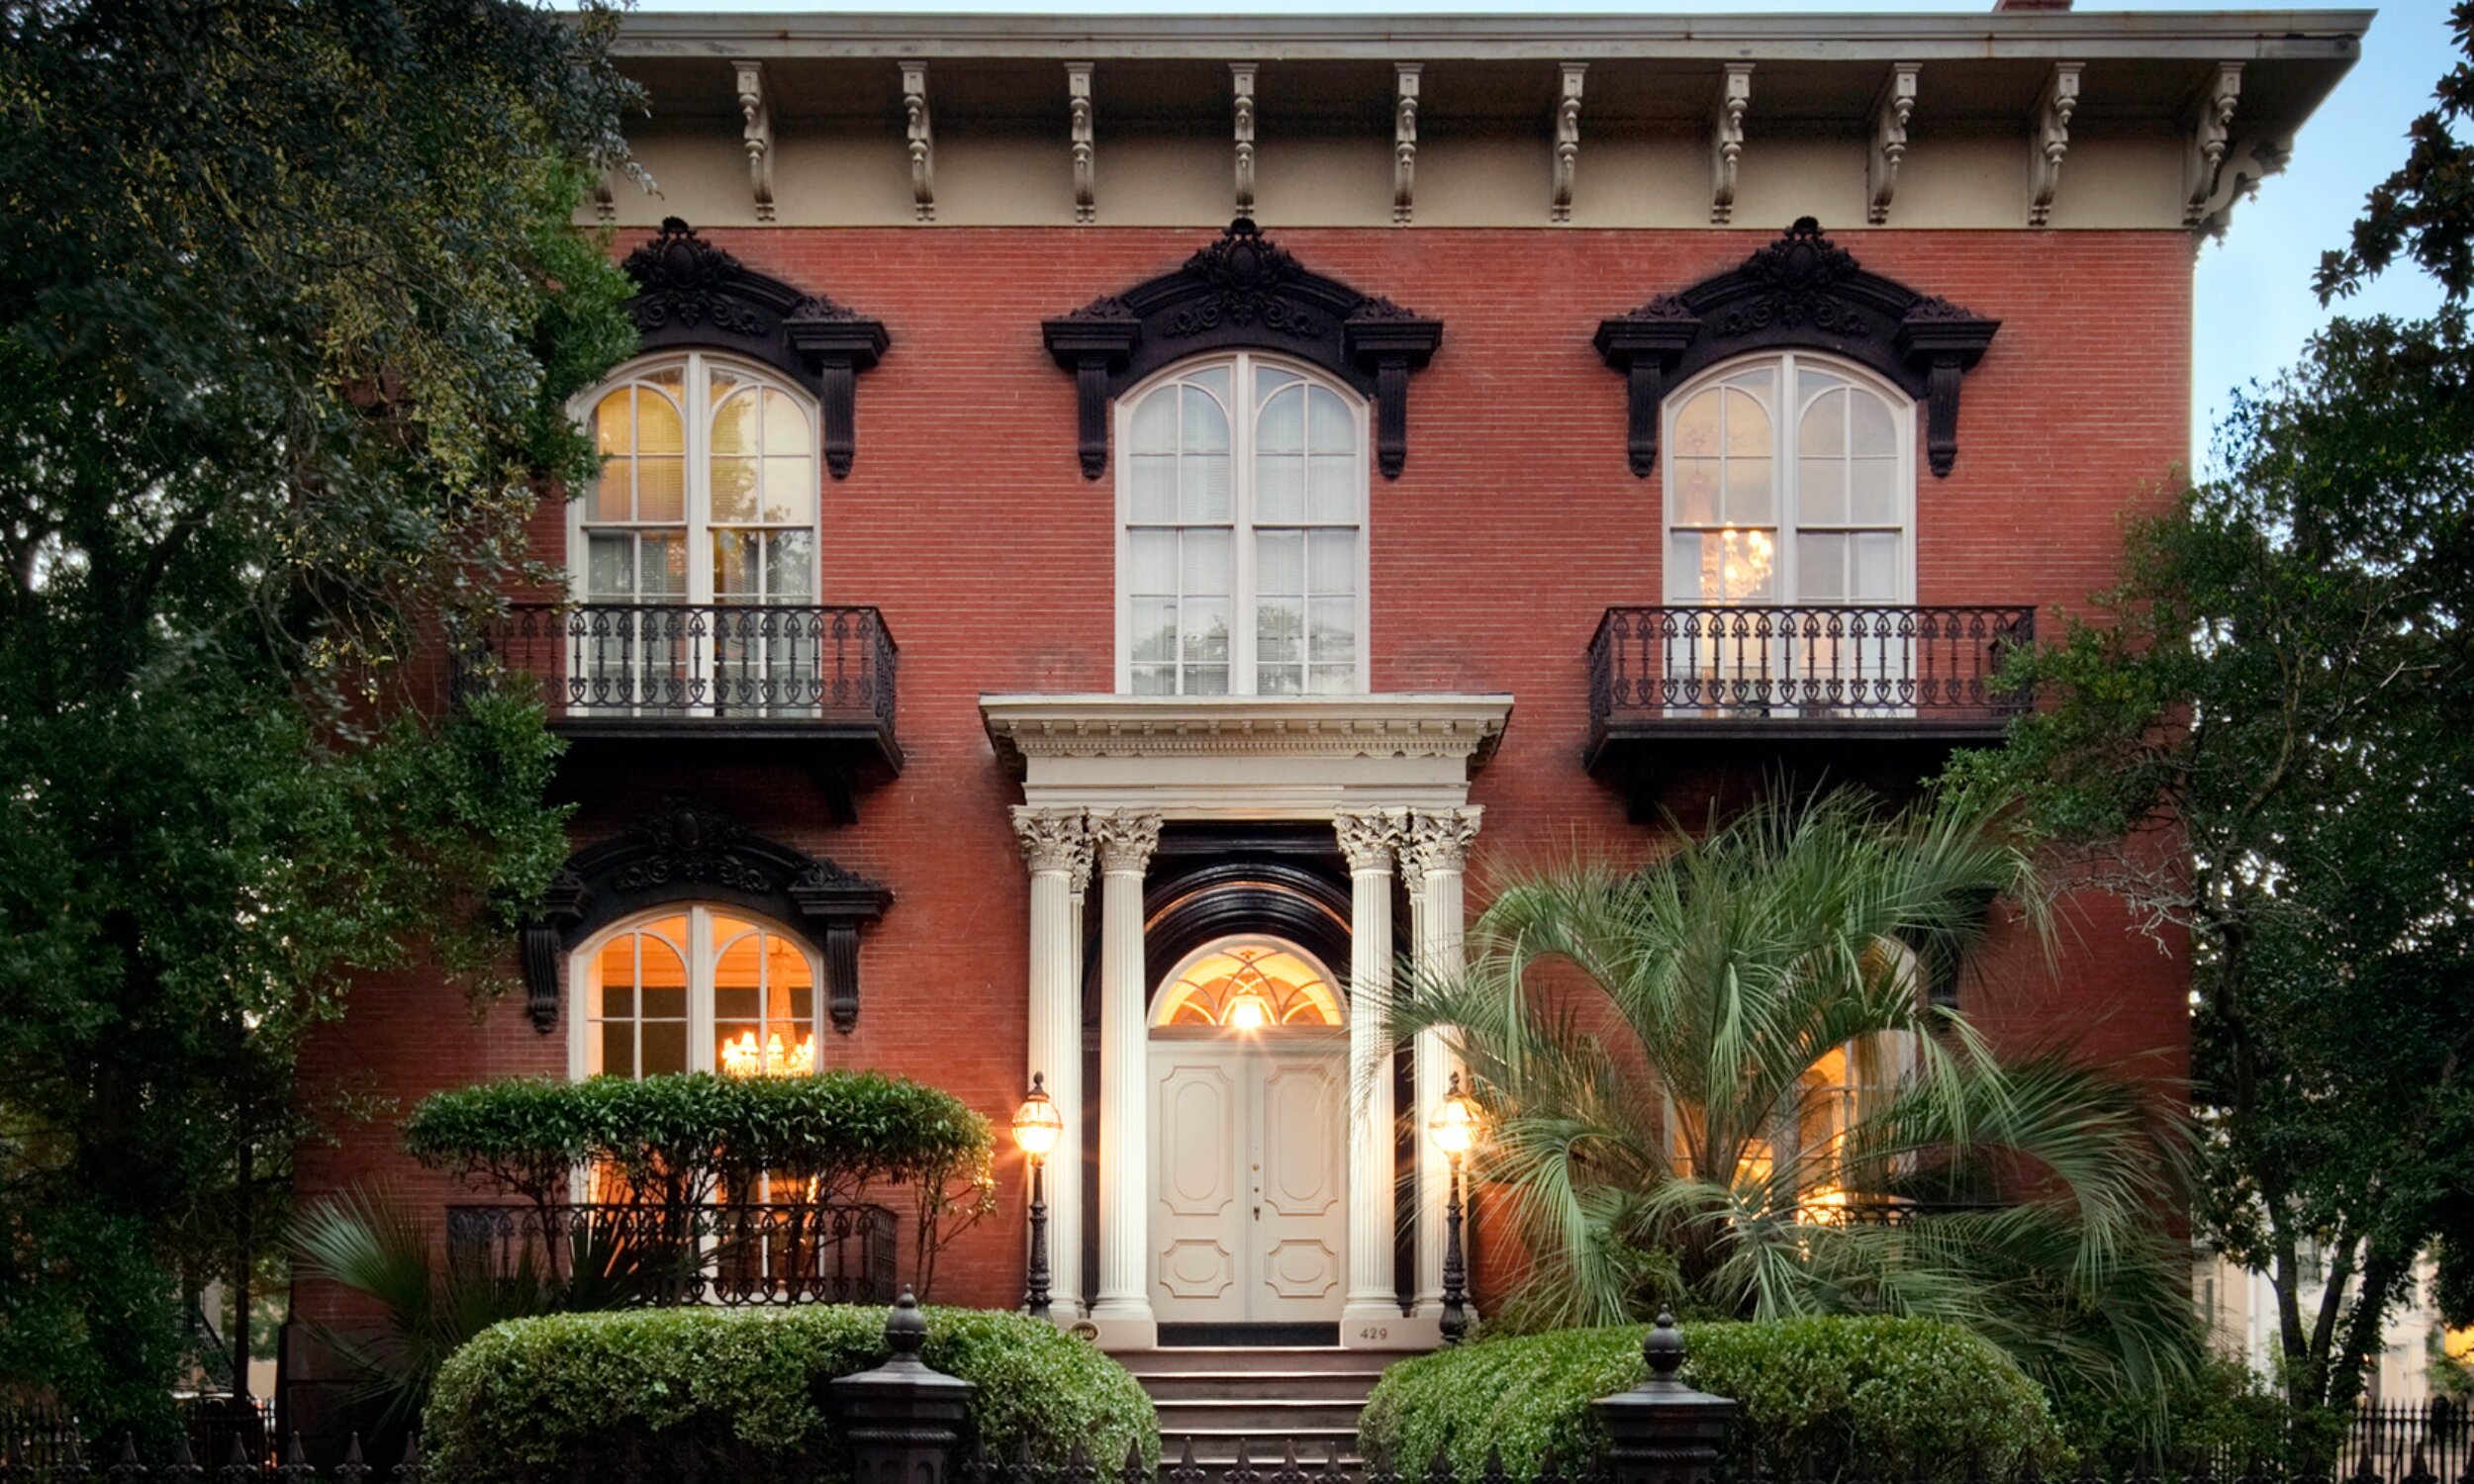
(1249, 1012)
(1037, 1125)
(1455, 1131)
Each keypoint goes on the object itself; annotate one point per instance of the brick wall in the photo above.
(1514, 526)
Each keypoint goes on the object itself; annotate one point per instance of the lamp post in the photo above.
(1455, 1131)
(1036, 1127)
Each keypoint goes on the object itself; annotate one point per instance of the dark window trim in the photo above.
(1802, 292)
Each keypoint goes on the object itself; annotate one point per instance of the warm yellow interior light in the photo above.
(1038, 1125)
(1455, 1123)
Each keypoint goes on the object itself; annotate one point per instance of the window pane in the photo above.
(663, 1002)
(665, 1046)
(738, 1001)
(1205, 625)
(1271, 380)
(1206, 562)
(1279, 680)
(1821, 567)
(734, 564)
(1874, 486)
(613, 426)
(661, 489)
(1279, 561)
(1214, 381)
(657, 426)
(1280, 630)
(1154, 489)
(1206, 424)
(615, 1051)
(1696, 491)
(1823, 483)
(1747, 425)
(785, 424)
(1208, 679)
(1729, 566)
(1696, 427)
(1206, 488)
(1333, 680)
(790, 492)
(609, 565)
(734, 426)
(1332, 638)
(1877, 432)
(1876, 567)
(733, 491)
(791, 566)
(1809, 382)
(1282, 428)
(1334, 488)
(1332, 561)
(1153, 629)
(1824, 427)
(1748, 492)
(1330, 426)
(1155, 423)
(1155, 680)
(661, 572)
(1154, 558)
(1279, 488)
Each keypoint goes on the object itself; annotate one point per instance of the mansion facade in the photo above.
(1120, 527)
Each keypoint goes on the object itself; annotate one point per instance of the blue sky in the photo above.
(2255, 306)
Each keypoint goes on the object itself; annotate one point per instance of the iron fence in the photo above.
(735, 1255)
(655, 662)
(1713, 663)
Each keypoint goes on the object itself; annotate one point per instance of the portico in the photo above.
(1102, 776)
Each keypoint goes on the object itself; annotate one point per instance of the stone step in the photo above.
(1282, 1416)
(1251, 1385)
(1197, 1358)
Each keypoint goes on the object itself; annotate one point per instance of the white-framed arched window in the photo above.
(694, 988)
(1248, 983)
(1241, 536)
(1789, 479)
(707, 490)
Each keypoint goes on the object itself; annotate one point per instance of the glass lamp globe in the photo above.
(1038, 1125)
(1455, 1123)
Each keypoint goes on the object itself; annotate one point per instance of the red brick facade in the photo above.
(1515, 524)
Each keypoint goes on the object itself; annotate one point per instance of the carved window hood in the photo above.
(1802, 292)
(683, 853)
(692, 295)
(1243, 292)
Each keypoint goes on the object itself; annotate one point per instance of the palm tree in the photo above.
(1724, 1080)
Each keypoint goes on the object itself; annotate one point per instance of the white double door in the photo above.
(1249, 1221)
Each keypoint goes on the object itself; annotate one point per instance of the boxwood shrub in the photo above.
(740, 1395)
(1901, 1395)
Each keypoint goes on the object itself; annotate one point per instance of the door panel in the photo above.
(1250, 1183)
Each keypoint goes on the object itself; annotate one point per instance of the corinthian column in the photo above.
(1052, 841)
(1437, 855)
(1123, 1306)
(1371, 1315)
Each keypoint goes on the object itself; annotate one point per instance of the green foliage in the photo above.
(1646, 1045)
(2222, 1411)
(686, 1393)
(1901, 1394)
(2425, 210)
(289, 312)
(2264, 737)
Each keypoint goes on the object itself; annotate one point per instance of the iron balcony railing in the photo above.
(664, 662)
(1937, 664)
(736, 1255)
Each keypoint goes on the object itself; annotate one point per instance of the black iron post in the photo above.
(1662, 1432)
(1035, 1300)
(1455, 1266)
(902, 1420)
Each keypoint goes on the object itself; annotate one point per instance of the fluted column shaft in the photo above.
(1052, 839)
(1123, 1304)
(1436, 856)
(1368, 840)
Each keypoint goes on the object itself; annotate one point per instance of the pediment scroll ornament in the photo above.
(1242, 290)
(1800, 292)
(686, 852)
(693, 295)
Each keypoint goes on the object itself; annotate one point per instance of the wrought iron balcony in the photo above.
(1849, 684)
(655, 1257)
(813, 682)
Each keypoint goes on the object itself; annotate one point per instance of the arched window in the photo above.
(1247, 985)
(1241, 563)
(707, 490)
(694, 990)
(1790, 478)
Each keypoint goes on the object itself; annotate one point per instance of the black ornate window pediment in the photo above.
(1802, 292)
(692, 295)
(1243, 292)
(682, 852)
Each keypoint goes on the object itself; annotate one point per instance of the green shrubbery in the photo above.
(1902, 1393)
(689, 1393)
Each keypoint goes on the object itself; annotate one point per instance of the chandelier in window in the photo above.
(742, 1056)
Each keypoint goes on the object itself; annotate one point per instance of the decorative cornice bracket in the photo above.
(2212, 130)
(1241, 125)
(1725, 138)
(1890, 112)
(1805, 292)
(681, 852)
(757, 109)
(1405, 142)
(1079, 126)
(1567, 142)
(2048, 139)
(1242, 290)
(690, 293)
(920, 138)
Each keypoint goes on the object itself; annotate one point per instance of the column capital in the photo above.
(1050, 837)
(1369, 838)
(1077, 871)
(1125, 837)
(1439, 839)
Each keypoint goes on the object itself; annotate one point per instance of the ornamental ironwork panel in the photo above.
(736, 1254)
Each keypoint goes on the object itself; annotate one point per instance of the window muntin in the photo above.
(708, 493)
(700, 990)
(1247, 985)
(1243, 564)
(1789, 479)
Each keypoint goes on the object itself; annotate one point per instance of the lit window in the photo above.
(1248, 985)
(697, 990)
(1241, 572)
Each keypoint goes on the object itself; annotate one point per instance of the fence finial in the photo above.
(1662, 1348)
(906, 1328)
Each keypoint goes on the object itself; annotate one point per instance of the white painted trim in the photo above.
(699, 979)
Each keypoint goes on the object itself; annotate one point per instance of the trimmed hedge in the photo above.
(740, 1395)
(1903, 1395)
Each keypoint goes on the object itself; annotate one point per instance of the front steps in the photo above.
(1263, 1395)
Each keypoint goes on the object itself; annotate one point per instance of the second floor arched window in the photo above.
(708, 489)
(1241, 557)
